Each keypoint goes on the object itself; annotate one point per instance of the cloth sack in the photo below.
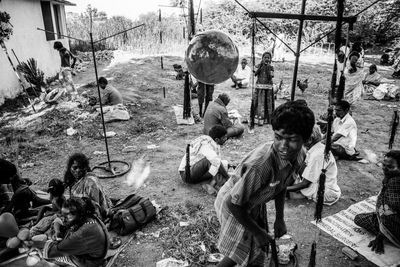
(234, 116)
(116, 113)
(380, 91)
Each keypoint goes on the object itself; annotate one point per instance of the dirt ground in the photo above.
(140, 79)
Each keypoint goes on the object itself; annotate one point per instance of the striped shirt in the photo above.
(260, 176)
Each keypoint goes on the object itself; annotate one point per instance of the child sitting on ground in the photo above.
(49, 219)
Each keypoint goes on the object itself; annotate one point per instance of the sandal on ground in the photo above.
(115, 242)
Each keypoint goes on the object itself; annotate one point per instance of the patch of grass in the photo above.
(145, 125)
(90, 129)
(188, 242)
(27, 149)
(54, 123)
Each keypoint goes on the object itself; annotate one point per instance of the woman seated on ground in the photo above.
(83, 183)
(307, 186)
(371, 80)
(385, 221)
(86, 241)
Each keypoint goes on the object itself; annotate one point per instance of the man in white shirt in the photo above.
(241, 77)
(308, 181)
(205, 158)
(344, 132)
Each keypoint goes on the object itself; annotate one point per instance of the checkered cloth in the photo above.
(259, 178)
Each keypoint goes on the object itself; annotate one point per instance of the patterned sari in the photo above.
(90, 187)
(388, 210)
(371, 78)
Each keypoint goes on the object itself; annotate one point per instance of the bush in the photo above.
(32, 73)
(5, 27)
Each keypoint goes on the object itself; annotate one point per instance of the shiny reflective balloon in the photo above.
(212, 57)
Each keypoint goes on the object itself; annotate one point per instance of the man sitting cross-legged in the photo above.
(111, 96)
(205, 159)
(307, 185)
(241, 76)
(217, 114)
(344, 136)
(112, 101)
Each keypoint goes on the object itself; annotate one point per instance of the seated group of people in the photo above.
(371, 84)
(376, 87)
(76, 234)
(206, 163)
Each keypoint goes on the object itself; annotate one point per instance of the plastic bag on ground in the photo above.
(171, 262)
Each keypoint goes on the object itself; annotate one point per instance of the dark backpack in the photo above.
(131, 214)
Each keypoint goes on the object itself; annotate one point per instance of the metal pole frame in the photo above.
(298, 51)
(265, 26)
(331, 31)
(110, 169)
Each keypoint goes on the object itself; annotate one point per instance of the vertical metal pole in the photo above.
(297, 55)
(183, 32)
(186, 98)
(187, 166)
(159, 19)
(163, 91)
(191, 26)
(338, 37)
(162, 63)
(101, 105)
(252, 106)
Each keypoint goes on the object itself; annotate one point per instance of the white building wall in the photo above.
(27, 42)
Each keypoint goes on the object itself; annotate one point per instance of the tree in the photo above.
(373, 27)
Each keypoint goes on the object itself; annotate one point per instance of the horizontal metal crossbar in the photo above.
(271, 15)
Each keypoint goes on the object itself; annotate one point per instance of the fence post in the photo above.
(159, 19)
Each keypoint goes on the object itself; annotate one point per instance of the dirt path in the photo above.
(153, 122)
